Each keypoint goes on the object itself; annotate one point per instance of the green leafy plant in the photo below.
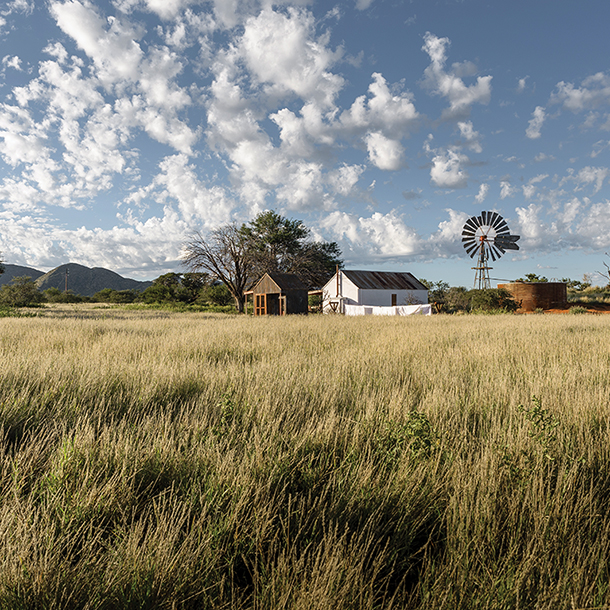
(543, 426)
(416, 436)
(230, 416)
(578, 309)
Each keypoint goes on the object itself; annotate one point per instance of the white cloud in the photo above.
(281, 51)
(113, 49)
(594, 227)
(482, 194)
(593, 92)
(448, 239)
(529, 190)
(522, 84)
(380, 236)
(533, 231)
(535, 124)
(587, 176)
(362, 5)
(384, 153)
(538, 178)
(390, 112)
(470, 136)
(449, 84)
(343, 179)
(302, 188)
(12, 62)
(506, 190)
(447, 171)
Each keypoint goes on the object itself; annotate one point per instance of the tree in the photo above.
(225, 255)
(21, 292)
(533, 278)
(278, 244)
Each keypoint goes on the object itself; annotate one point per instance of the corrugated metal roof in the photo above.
(384, 280)
(285, 281)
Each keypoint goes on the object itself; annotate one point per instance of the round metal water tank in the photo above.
(538, 295)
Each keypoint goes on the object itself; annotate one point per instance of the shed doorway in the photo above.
(260, 305)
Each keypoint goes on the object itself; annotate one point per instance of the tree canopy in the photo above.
(239, 255)
(279, 244)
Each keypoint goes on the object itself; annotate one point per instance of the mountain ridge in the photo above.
(85, 281)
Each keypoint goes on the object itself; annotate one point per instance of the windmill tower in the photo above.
(487, 236)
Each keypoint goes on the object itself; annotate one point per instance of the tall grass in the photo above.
(155, 460)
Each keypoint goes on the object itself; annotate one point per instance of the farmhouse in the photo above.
(372, 289)
(278, 294)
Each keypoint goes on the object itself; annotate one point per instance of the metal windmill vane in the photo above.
(487, 236)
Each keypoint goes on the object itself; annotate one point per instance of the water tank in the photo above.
(538, 295)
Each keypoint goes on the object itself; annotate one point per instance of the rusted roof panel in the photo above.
(384, 280)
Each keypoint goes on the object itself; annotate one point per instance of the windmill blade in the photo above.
(502, 227)
(498, 251)
(484, 218)
(468, 239)
(471, 250)
(471, 224)
(491, 252)
(507, 242)
(498, 224)
(493, 219)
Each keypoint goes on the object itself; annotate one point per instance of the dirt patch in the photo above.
(590, 307)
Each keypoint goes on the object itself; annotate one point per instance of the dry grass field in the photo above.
(156, 460)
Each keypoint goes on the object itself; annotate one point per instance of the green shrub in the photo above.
(54, 295)
(578, 309)
(21, 292)
(492, 300)
(216, 295)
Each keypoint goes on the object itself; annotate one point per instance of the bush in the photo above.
(216, 295)
(21, 292)
(578, 309)
(492, 299)
(107, 295)
(54, 295)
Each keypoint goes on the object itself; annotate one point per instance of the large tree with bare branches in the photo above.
(238, 256)
(225, 254)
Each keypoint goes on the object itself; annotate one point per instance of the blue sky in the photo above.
(382, 124)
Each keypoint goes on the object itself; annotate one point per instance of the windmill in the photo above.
(487, 236)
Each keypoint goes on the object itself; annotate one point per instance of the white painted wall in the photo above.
(384, 297)
(352, 295)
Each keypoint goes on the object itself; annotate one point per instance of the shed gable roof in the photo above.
(285, 282)
(384, 280)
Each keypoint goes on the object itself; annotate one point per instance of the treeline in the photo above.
(168, 289)
(456, 299)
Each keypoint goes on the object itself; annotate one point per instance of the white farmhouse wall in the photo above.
(347, 290)
(347, 293)
(384, 297)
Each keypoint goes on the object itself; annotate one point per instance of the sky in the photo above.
(383, 125)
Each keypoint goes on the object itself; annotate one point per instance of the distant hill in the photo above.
(11, 271)
(85, 281)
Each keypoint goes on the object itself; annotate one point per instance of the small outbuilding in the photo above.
(278, 294)
(372, 289)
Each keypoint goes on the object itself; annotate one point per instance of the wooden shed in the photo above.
(278, 294)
